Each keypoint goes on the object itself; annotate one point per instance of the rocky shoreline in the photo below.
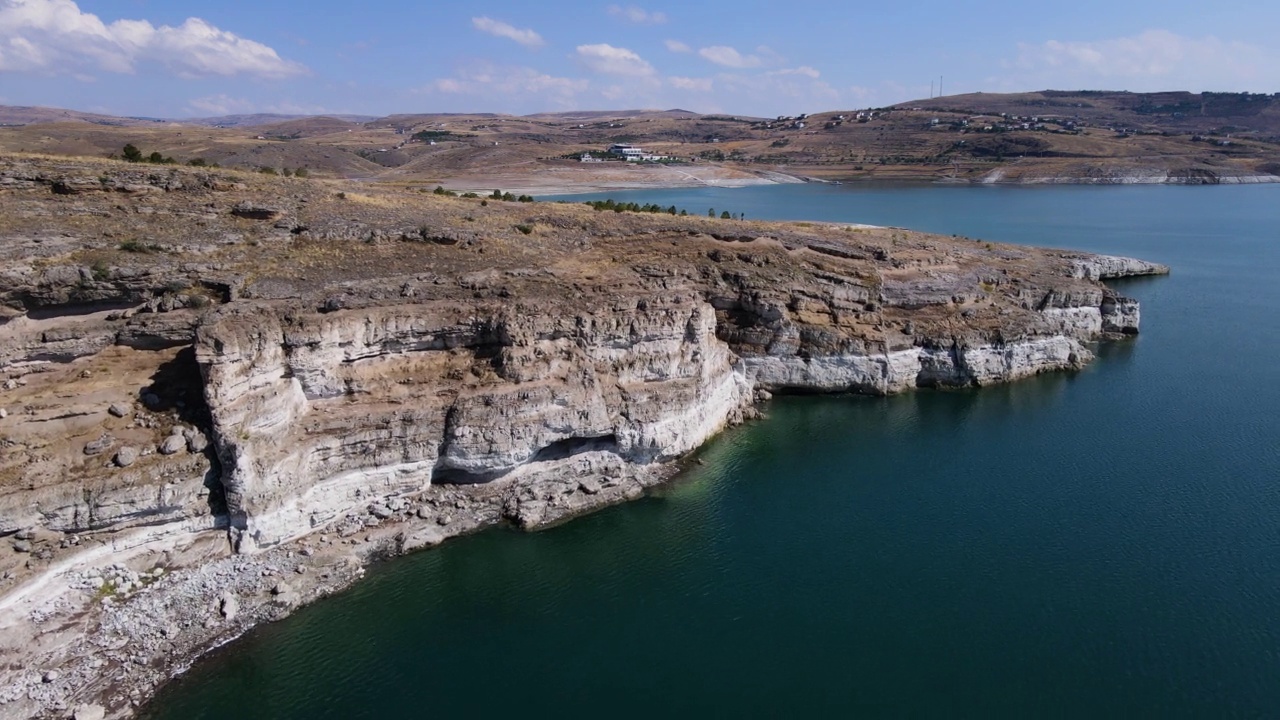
(561, 187)
(1153, 176)
(224, 395)
(148, 631)
(149, 627)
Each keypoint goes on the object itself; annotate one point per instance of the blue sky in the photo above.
(166, 58)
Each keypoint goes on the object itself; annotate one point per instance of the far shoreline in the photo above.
(541, 192)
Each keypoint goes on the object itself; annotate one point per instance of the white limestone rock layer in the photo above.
(319, 418)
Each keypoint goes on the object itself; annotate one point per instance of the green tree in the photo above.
(132, 153)
(725, 215)
(156, 158)
(711, 213)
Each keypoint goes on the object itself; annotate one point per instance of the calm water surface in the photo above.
(1103, 544)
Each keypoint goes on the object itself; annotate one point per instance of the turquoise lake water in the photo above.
(1097, 544)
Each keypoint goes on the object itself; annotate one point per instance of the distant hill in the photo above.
(1167, 111)
(14, 115)
(1047, 136)
(305, 127)
(259, 119)
(603, 114)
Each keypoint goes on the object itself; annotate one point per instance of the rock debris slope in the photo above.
(189, 355)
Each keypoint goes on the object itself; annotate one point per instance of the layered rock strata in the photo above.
(452, 394)
(184, 379)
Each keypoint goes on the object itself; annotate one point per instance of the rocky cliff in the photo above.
(319, 414)
(198, 364)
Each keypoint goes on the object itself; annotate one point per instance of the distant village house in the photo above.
(631, 153)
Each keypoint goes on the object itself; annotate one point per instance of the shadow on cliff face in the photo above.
(178, 386)
(1136, 281)
(445, 474)
(49, 312)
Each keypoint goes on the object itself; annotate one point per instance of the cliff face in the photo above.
(276, 357)
(316, 415)
(189, 350)
(319, 416)
(239, 359)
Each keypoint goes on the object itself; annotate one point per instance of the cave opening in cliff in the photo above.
(558, 450)
(178, 386)
(568, 447)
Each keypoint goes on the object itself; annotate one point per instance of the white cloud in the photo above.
(637, 16)
(56, 36)
(687, 83)
(804, 70)
(223, 104)
(676, 46)
(1151, 60)
(800, 87)
(625, 80)
(861, 95)
(729, 57)
(525, 37)
(510, 83)
(609, 60)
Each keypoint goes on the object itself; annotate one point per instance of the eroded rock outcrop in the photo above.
(1109, 267)
(454, 395)
(334, 370)
(243, 384)
(316, 411)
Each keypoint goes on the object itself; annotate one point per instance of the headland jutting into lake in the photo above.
(226, 393)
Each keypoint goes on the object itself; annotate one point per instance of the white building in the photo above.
(630, 153)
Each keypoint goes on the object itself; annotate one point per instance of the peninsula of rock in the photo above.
(223, 393)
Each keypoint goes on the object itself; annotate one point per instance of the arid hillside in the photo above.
(1050, 136)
